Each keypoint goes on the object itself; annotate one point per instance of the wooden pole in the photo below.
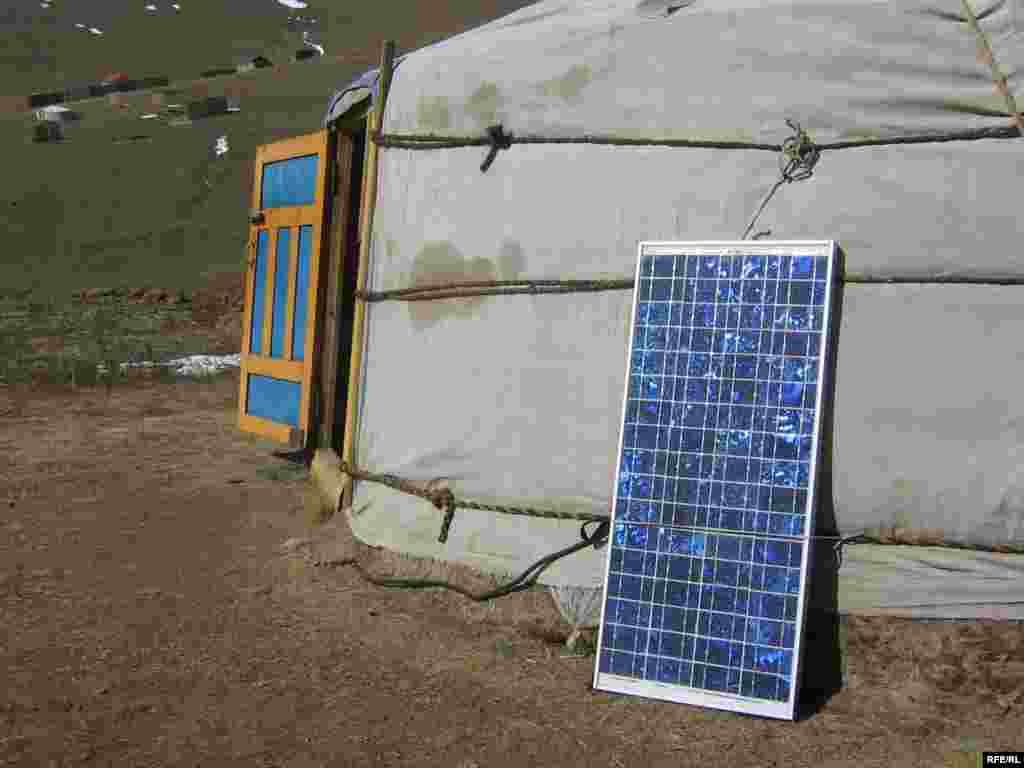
(376, 122)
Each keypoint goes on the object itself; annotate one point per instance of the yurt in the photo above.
(439, 291)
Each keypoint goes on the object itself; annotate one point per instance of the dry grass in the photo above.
(940, 663)
(531, 612)
(909, 680)
(158, 477)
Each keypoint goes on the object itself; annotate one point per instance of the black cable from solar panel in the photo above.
(520, 583)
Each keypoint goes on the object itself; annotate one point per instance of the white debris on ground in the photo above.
(150, 7)
(221, 147)
(54, 112)
(148, 116)
(192, 365)
(176, 7)
(204, 365)
(310, 44)
(298, 4)
(91, 30)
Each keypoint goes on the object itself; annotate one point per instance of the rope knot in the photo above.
(444, 499)
(797, 159)
(799, 155)
(499, 140)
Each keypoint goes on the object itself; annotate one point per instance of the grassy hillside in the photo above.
(130, 202)
(43, 49)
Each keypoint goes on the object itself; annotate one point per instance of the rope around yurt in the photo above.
(798, 156)
(498, 139)
(443, 499)
(470, 289)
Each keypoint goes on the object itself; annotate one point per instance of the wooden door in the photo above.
(281, 288)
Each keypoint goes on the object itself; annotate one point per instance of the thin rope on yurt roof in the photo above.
(504, 140)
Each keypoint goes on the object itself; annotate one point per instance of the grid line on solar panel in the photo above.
(755, 522)
(718, 357)
(733, 444)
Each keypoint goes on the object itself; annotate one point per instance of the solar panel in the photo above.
(713, 508)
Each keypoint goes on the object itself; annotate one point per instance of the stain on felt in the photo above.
(439, 263)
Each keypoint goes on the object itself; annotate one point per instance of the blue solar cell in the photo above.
(621, 664)
(714, 492)
(788, 636)
(722, 653)
(818, 295)
(664, 266)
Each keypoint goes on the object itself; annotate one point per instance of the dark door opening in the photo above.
(349, 275)
(341, 275)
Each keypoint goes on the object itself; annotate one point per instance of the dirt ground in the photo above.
(159, 607)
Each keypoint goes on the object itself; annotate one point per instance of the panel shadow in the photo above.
(822, 669)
